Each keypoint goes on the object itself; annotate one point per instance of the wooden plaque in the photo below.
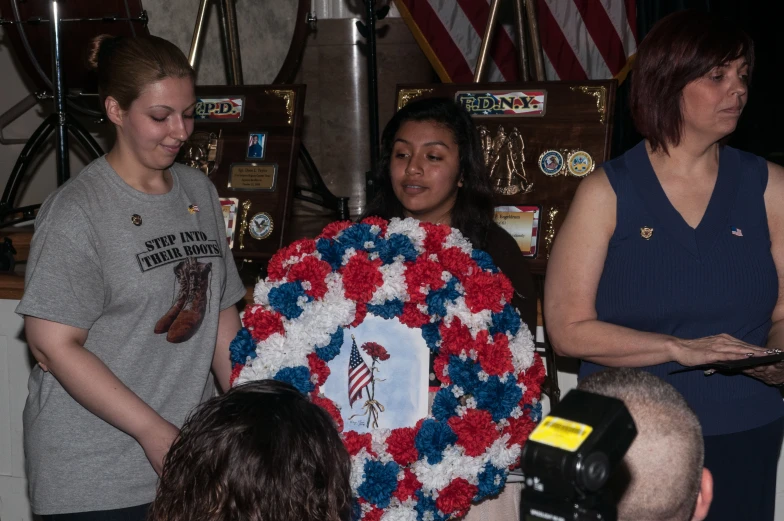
(247, 139)
(525, 124)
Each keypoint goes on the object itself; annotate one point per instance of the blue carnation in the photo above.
(331, 350)
(425, 504)
(498, 397)
(242, 347)
(437, 299)
(380, 482)
(484, 260)
(397, 244)
(508, 320)
(431, 440)
(444, 404)
(491, 481)
(534, 411)
(283, 299)
(464, 373)
(389, 309)
(432, 335)
(298, 377)
(356, 235)
(331, 252)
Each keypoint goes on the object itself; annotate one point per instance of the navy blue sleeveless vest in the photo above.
(695, 282)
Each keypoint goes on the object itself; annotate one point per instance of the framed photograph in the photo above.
(257, 144)
(229, 206)
(522, 223)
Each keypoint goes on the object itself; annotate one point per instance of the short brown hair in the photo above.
(664, 463)
(125, 66)
(261, 452)
(680, 48)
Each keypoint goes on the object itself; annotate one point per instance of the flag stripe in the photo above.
(617, 13)
(443, 45)
(556, 47)
(502, 49)
(576, 34)
(603, 33)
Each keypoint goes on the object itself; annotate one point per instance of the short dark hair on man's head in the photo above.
(666, 459)
(260, 452)
(473, 210)
(680, 48)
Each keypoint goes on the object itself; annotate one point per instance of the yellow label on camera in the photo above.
(560, 433)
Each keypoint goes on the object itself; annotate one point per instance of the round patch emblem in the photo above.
(136, 219)
(551, 162)
(580, 163)
(261, 226)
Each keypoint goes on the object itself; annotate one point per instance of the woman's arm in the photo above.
(774, 194)
(60, 349)
(228, 324)
(573, 274)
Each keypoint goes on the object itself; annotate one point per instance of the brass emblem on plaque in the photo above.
(244, 222)
(504, 158)
(202, 151)
(253, 176)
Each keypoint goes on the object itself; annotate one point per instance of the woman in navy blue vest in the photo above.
(672, 255)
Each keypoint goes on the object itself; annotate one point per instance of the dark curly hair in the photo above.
(473, 210)
(260, 452)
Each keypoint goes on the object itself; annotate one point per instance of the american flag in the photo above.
(358, 374)
(581, 39)
(737, 232)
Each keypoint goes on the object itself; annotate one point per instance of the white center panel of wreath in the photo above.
(380, 378)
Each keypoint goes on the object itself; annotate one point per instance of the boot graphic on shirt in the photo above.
(185, 316)
(192, 314)
(181, 271)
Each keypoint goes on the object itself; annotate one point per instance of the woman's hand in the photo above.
(712, 349)
(771, 374)
(156, 443)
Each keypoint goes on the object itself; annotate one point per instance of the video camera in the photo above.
(569, 457)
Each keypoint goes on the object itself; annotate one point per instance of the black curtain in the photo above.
(760, 128)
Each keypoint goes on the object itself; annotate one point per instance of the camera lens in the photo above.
(594, 471)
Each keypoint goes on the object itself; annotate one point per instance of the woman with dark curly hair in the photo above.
(260, 452)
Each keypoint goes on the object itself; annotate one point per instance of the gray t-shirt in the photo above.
(147, 275)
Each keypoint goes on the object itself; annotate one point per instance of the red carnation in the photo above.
(355, 442)
(407, 487)
(412, 317)
(441, 361)
(376, 221)
(235, 372)
(419, 274)
(475, 431)
(331, 230)
(275, 269)
(329, 406)
(435, 234)
(375, 350)
(519, 429)
(456, 497)
(319, 368)
(457, 262)
(314, 271)
(455, 337)
(400, 445)
(262, 323)
(495, 357)
(360, 314)
(374, 514)
(361, 277)
(532, 378)
(485, 290)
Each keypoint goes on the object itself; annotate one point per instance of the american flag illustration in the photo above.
(358, 374)
(736, 232)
